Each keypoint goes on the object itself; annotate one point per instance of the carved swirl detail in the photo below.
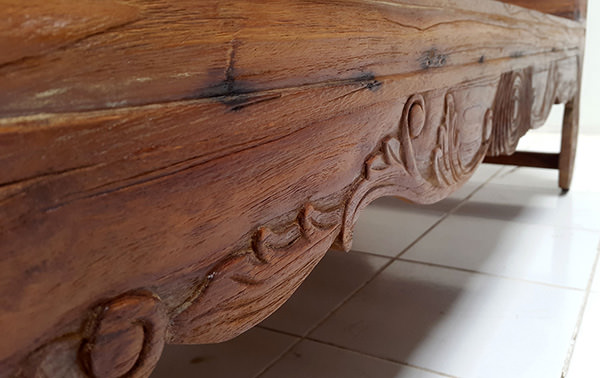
(393, 169)
(513, 104)
(525, 97)
(558, 85)
(448, 165)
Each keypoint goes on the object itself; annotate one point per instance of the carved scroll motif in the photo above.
(393, 169)
(524, 99)
(558, 84)
(448, 164)
(512, 118)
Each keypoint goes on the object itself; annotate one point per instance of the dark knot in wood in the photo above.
(432, 58)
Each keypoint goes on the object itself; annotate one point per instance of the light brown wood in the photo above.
(177, 184)
(566, 163)
(573, 9)
(211, 50)
(504, 152)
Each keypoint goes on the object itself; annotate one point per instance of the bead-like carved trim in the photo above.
(268, 249)
(266, 245)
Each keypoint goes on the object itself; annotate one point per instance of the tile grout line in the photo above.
(450, 212)
(514, 169)
(588, 290)
(346, 299)
(331, 344)
(466, 270)
(287, 333)
(569, 227)
(280, 355)
(396, 362)
(326, 317)
(376, 274)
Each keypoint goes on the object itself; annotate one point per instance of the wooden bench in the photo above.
(173, 170)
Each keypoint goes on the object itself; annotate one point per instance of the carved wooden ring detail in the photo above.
(413, 115)
(124, 337)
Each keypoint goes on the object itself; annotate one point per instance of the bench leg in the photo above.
(568, 147)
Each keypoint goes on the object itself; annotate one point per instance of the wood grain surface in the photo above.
(178, 50)
(173, 170)
(573, 9)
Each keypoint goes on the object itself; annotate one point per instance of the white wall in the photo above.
(590, 100)
(590, 111)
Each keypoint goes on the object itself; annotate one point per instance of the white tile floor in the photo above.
(495, 281)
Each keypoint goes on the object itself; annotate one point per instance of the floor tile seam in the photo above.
(538, 186)
(567, 362)
(278, 358)
(365, 283)
(390, 261)
(281, 331)
(373, 254)
(380, 358)
(524, 222)
(421, 236)
(488, 274)
(509, 169)
(477, 189)
(450, 212)
(379, 271)
(342, 303)
(438, 221)
(350, 296)
(324, 318)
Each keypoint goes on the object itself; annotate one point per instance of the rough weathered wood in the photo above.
(188, 178)
(573, 9)
(37, 27)
(210, 48)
